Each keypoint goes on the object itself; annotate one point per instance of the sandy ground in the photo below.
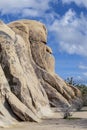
(77, 122)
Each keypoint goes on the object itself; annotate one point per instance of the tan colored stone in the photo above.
(28, 83)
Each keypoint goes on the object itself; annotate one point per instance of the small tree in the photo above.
(70, 81)
(83, 89)
(76, 103)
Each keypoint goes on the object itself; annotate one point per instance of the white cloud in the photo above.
(78, 2)
(28, 7)
(85, 74)
(71, 33)
(83, 67)
(30, 12)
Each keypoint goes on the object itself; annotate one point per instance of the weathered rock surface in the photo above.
(28, 83)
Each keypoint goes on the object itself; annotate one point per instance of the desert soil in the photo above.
(77, 122)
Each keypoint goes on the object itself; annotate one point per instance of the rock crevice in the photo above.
(28, 83)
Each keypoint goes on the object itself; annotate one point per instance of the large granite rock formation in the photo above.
(28, 83)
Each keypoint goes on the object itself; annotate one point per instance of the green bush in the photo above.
(81, 87)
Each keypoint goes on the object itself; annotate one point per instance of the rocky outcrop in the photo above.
(29, 86)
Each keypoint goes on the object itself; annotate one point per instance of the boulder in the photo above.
(28, 84)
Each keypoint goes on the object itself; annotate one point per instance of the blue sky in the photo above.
(66, 21)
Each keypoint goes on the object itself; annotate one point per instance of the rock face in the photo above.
(28, 83)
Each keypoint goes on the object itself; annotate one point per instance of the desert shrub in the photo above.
(83, 89)
(70, 81)
(75, 106)
(77, 103)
